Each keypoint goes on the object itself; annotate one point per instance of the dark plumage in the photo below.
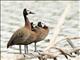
(42, 32)
(22, 34)
(28, 34)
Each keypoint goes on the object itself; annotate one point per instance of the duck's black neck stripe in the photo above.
(27, 23)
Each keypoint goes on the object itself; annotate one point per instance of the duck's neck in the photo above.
(27, 23)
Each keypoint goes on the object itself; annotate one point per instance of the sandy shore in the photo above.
(5, 56)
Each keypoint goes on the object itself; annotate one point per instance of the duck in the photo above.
(23, 33)
(44, 29)
(40, 31)
(44, 32)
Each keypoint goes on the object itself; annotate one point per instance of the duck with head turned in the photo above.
(22, 34)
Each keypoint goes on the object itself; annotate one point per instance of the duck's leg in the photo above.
(25, 47)
(35, 47)
(20, 48)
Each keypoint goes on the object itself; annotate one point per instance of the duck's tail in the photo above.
(9, 44)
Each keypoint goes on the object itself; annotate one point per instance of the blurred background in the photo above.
(47, 12)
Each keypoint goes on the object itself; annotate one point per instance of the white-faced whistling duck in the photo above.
(22, 34)
(44, 29)
(44, 32)
(41, 32)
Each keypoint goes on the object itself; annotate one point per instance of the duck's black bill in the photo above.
(31, 12)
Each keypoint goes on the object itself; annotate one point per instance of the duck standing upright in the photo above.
(44, 32)
(41, 32)
(22, 34)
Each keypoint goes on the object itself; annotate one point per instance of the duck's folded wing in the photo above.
(17, 38)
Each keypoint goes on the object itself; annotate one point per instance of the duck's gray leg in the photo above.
(20, 48)
(25, 47)
(35, 47)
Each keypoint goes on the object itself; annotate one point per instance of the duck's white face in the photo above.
(42, 24)
(29, 12)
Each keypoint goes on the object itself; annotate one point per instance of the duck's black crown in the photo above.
(26, 12)
(39, 24)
